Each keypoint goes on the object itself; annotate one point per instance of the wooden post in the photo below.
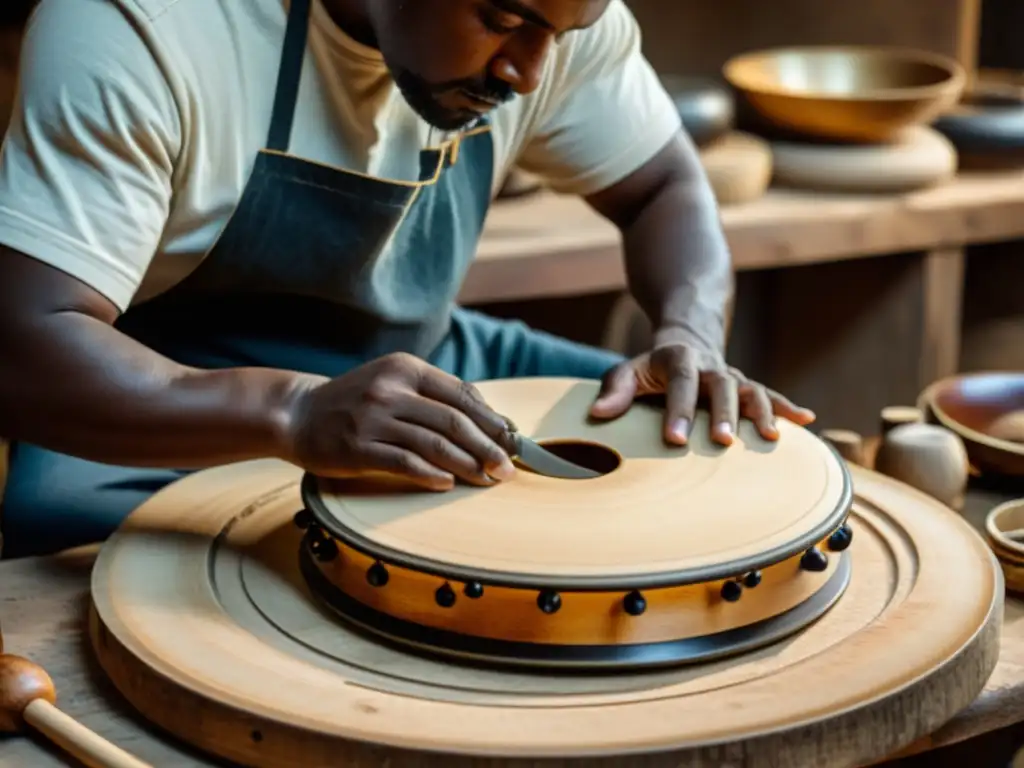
(942, 297)
(969, 37)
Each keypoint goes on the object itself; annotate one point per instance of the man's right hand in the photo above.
(400, 415)
(73, 383)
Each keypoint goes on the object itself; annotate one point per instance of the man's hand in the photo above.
(684, 372)
(399, 415)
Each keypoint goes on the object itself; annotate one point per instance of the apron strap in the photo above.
(289, 75)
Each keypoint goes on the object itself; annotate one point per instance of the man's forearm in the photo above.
(74, 384)
(678, 262)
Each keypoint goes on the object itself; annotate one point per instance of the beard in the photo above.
(434, 102)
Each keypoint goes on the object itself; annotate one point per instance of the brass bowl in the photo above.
(846, 93)
(987, 411)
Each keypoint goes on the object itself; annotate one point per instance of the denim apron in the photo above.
(319, 269)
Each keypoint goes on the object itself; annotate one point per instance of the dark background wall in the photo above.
(1002, 34)
(15, 11)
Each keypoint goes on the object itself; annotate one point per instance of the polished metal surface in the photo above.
(706, 106)
(863, 74)
(542, 461)
(848, 93)
(988, 120)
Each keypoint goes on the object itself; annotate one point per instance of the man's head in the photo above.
(455, 60)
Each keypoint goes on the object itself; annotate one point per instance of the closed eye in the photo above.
(498, 22)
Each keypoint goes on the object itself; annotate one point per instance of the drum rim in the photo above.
(636, 657)
(309, 493)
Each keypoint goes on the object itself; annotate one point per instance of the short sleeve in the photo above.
(606, 112)
(87, 162)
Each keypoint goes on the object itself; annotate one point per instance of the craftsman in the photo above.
(235, 230)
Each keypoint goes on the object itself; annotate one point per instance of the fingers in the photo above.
(723, 392)
(382, 457)
(618, 388)
(467, 420)
(439, 451)
(442, 429)
(682, 387)
(783, 407)
(464, 398)
(418, 408)
(756, 405)
(451, 439)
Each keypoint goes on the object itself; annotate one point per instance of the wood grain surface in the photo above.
(555, 245)
(741, 503)
(43, 610)
(206, 626)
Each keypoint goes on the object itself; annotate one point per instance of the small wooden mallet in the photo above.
(28, 696)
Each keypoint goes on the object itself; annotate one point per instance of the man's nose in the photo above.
(521, 62)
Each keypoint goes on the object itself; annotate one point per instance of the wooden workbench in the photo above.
(846, 303)
(555, 245)
(43, 604)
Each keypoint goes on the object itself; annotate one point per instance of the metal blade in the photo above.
(544, 462)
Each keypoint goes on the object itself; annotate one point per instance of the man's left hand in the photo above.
(685, 372)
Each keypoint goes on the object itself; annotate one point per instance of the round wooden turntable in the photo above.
(689, 607)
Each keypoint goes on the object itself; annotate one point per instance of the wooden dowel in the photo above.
(28, 697)
(77, 740)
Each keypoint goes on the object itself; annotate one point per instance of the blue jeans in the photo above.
(54, 501)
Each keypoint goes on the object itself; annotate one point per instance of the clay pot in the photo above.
(705, 106)
(988, 120)
(738, 167)
(927, 457)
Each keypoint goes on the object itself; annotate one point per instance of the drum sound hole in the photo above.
(589, 455)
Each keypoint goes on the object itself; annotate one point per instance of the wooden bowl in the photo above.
(987, 411)
(1001, 525)
(846, 93)
(706, 106)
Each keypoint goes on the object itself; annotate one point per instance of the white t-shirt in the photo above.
(138, 121)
